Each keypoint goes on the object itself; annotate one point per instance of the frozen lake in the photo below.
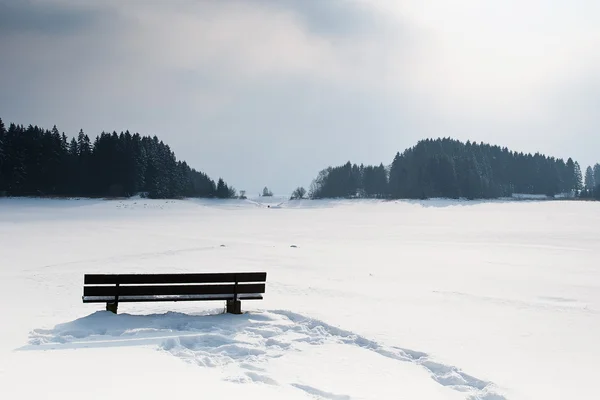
(430, 299)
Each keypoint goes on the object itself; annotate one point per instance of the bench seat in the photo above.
(230, 287)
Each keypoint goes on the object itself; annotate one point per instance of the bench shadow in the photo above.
(105, 329)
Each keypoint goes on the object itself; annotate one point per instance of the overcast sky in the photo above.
(269, 92)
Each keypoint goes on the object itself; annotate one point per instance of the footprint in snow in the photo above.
(248, 340)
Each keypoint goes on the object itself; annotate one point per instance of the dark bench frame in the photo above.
(233, 287)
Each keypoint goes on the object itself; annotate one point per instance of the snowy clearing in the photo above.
(431, 299)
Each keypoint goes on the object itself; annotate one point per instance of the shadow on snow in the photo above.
(248, 340)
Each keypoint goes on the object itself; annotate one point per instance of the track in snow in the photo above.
(248, 341)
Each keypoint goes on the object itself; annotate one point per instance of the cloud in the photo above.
(47, 18)
(499, 57)
(249, 41)
(343, 18)
(269, 92)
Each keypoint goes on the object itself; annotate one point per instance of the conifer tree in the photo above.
(578, 177)
(597, 174)
(2, 157)
(590, 182)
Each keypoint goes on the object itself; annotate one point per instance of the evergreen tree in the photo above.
(2, 157)
(397, 177)
(14, 167)
(597, 174)
(578, 177)
(590, 182)
(571, 175)
(222, 189)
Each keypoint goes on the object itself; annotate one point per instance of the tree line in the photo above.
(40, 162)
(453, 169)
(592, 183)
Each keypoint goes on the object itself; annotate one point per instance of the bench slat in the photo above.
(157, 290)
(136, 299)
(124, 279)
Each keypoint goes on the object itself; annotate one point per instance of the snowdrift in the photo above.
(246, 346)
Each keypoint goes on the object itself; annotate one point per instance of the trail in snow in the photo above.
(249, 341)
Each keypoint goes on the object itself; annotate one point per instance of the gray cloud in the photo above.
(48, 18)
(335, 18)
(269, 92)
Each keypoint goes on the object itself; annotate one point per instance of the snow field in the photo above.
(434, 299)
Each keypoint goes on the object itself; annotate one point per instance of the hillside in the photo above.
(452, 169)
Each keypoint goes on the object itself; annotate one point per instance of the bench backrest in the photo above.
(140, 287)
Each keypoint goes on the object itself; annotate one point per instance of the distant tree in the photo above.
(266, 192)
(298, 194)
(590, 182)
(2, 157)
(398, 177)
(578, 177)
(597, 174)
(231, 192)
(316, 186)
(2, 141)
(243, 195)
(571, 175)
(223, 191)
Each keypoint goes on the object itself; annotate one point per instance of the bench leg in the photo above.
(112, 307)
(234, 306)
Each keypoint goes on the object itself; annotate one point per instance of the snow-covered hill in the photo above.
(365, 300)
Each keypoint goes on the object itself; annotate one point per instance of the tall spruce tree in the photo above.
(590, 182)
(597, 174)
(578, 177)
(2, 157)
(222, 190)
(571, 175)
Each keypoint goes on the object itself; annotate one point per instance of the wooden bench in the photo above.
(120, 288)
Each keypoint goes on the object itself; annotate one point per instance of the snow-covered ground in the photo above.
(376, 300)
